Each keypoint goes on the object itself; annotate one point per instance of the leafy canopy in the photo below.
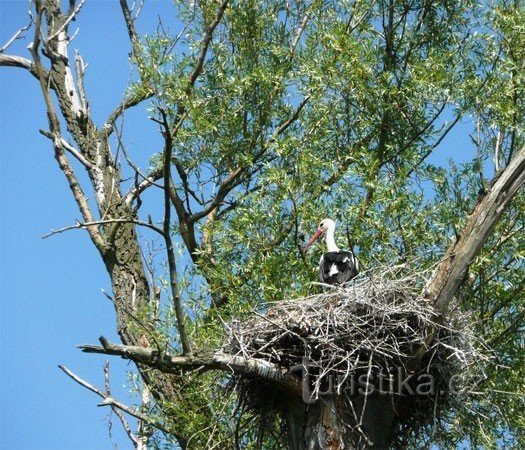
(340, 109)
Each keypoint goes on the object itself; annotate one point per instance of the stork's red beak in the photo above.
(313, 239)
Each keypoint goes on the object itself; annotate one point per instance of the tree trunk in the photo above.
(332, 424)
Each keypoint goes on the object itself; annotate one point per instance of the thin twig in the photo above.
(79, 156)
(16, 36)
(117, 411)
(87, 225)
(110, 401)
(66, 22)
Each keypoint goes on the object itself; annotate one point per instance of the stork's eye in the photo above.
(321, 225)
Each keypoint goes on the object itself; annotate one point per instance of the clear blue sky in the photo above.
(50, 289)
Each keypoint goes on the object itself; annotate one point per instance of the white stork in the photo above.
(336, 267)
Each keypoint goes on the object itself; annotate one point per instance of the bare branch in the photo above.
(80, 69)
(139, 9)
(202, 362)
(18, 61)
(138, 98)
(70, 149)
(54, 126)
(130, 25)
(135, 193)
(15, 36)
(97, 223)
(127, 103)
(149, 180)
(118, 412)
(110, 401)
(66, 22)
(452, 270)
(56, 49)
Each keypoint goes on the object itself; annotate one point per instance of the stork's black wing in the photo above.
(338, 268)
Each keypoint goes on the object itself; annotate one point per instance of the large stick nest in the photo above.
(374, 326)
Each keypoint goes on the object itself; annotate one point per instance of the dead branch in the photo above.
(218, 360)
(110, 401)
(15, 36)
(55, 132)
(453, 268)
(19, 61)
(128, 102)
(130, 25)
(118, 412)
(70, 17)
(79, 156)
(97, 223)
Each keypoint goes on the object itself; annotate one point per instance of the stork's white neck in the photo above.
(330, 240)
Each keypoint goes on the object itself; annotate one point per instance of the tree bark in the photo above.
(489, 208)
(330, 424)
(117, 243)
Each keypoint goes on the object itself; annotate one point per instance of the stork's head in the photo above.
(324, 226)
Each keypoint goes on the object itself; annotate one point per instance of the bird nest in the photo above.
(380, 327)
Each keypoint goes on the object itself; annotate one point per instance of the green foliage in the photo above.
(370, 89)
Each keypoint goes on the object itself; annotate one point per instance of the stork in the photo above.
(336, 267)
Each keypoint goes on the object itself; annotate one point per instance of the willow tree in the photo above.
(274, 115)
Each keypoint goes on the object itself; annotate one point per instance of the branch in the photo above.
(66, 22)
(226, 186)
(110, 401)
(56, 49)
(80, 70)
(192, 78)
(130, 25)
(70, 149)
(453, 268)
(234, 178)
(109, 126)
(175, 292)
(22, 63)
(292, 118)
(205, 44)
(87, 225)
(256, 368)
(117, 411)
(15, 36)
(129, 102)
(149, 180)
(514, 325)
(54, 126)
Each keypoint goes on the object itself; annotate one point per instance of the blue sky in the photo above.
(51, 289)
